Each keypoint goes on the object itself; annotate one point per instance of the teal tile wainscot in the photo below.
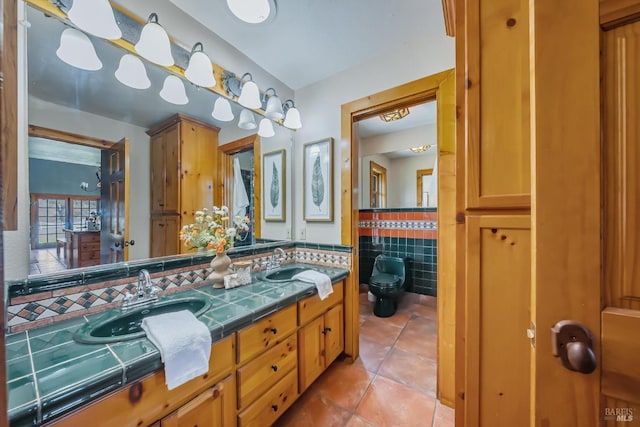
(49, 374)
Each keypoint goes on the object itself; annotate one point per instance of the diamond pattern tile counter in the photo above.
(49, 374)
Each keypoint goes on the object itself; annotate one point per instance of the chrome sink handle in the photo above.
(146, 292)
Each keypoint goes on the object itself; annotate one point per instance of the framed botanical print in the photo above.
(318, 180)
(273, 185)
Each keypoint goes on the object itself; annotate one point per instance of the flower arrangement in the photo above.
(212, 231)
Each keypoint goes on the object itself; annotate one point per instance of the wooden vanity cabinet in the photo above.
(215, 407)
(321, 339)
(148, 401)
(184, 156)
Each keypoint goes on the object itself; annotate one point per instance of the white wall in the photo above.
(396, 141)
(320, 104)
(401, 179)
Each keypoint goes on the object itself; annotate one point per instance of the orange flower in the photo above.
(210, 245)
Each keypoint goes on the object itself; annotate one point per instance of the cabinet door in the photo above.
(213, 408)
(333, 333)
(311, 359)
(164, 235)
(172, 160)
(157, 166)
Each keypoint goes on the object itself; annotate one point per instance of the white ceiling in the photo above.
(419, 115)
(310, 40)
(57, 151)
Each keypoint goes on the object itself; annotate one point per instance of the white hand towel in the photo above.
(240, 197)
(184, 343)
(321, 280)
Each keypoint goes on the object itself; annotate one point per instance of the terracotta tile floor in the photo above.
(393, 382)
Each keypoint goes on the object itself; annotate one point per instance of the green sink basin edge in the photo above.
(283, 274)
(97, 331)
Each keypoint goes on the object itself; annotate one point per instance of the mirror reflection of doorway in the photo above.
(68, 201)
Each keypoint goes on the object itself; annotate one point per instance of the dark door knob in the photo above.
(581, 357)
(573, 344)
(129, 243)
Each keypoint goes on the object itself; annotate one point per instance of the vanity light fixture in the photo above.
(154, 43)
(247, 121)
(397, 114)
(292, 117)
(274, 105)
(250, 94)
(95, 17)
(77, 50)
(253, 11)
(173, 91)
(222, 110)
(131, 72)
(420, 149)
(265, 129)
(200, 71)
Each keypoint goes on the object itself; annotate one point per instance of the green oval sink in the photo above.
(127, 325)
(284, 274)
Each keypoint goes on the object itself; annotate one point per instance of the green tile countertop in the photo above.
(49, 374)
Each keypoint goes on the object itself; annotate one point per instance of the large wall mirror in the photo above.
(78, 119)
(398, 158)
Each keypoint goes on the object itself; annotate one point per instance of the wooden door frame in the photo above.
(419, 174)
(408, 94)
(375, 168)
(225, 174)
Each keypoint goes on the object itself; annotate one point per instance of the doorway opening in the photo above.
(358, 227)
(69, 201)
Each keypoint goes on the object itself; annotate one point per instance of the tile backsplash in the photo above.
(27, 310)
(406, 233)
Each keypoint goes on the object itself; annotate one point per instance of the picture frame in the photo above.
(318, 181)
(274, 185)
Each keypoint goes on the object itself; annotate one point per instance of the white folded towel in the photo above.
(184, 343)
(321, 280)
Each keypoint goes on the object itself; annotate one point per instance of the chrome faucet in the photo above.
(146, 292)
(278, 255)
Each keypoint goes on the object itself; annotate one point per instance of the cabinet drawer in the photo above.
(260, 374)
(312, 307)
(268, 408)
(86, 247)
(266, 333)
(91, 255)
(90, 238)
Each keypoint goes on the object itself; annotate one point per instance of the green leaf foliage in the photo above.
(317, 183)
(275, 186)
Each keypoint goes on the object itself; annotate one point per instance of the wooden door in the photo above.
(213, 408)
(620, 387)
(114, 237)
(311, 359)
(171, 169)
(333, 336)
(164, 235)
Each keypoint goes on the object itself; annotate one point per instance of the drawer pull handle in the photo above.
(325, 331)
(275, 368)
(275, 408)
(274, 330)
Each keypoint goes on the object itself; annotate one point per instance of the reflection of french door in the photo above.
(51, 213)
(377, 185)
